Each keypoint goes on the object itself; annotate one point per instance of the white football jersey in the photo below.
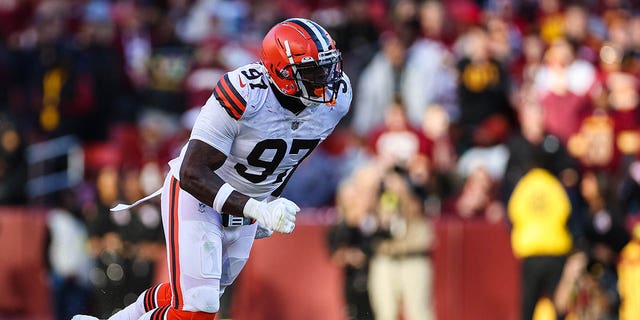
(263, 141)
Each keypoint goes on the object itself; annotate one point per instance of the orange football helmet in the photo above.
(302, 60)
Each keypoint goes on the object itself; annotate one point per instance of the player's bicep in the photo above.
(200, 154)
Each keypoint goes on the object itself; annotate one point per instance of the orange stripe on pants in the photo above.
(174, 251)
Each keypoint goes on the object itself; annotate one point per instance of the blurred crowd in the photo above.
(518, 112)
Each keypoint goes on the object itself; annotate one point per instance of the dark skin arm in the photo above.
(197, 177)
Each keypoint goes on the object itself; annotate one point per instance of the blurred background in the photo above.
(488, 168)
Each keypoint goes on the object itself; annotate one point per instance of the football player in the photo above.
(261, 121)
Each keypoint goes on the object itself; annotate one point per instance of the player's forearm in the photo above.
(198, 177)
(204, 185)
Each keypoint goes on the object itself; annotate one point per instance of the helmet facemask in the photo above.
(317, 80)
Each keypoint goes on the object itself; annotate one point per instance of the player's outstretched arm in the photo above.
(198, 177)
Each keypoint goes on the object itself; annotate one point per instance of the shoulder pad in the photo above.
(240, 87)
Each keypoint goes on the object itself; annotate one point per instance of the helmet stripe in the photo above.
(316, 33)
(323, 34)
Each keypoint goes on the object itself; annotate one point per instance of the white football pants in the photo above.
(203, 256)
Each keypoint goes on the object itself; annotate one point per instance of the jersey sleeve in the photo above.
(215, 127)
(247, 85)
(231, 94)
(217, 124)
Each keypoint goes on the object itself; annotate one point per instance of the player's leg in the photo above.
(156, 304)
(167, 312)
(193, 235)
(152, 298)
(156, 296)
(235, 252)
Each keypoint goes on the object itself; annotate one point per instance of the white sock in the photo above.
(132, 311)
(146, 316)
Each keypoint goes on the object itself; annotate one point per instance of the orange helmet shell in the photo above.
(292, 44)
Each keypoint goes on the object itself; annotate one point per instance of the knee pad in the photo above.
(204, 298)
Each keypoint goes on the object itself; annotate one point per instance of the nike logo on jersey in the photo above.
(242, 85)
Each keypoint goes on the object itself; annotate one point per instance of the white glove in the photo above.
(278, 215)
